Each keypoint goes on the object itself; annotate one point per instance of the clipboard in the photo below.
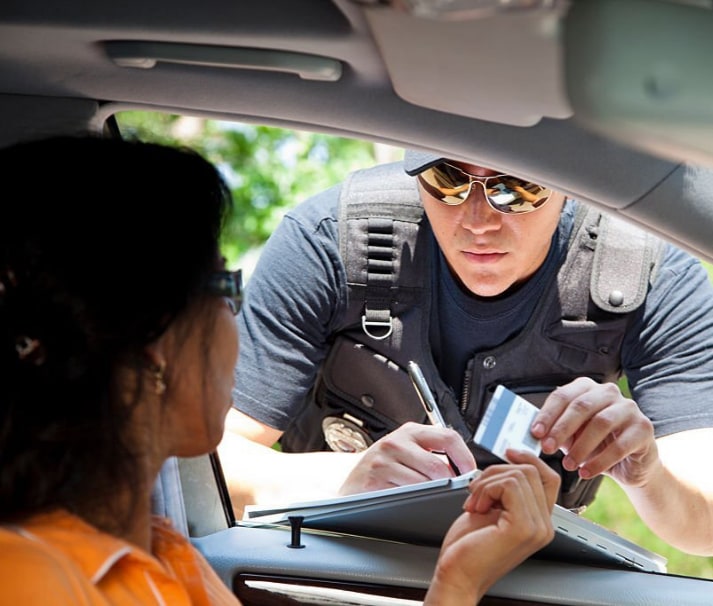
(422, 513)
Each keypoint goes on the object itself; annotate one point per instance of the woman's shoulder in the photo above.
(32, 573)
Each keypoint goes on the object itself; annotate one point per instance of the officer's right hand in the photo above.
(408, 455)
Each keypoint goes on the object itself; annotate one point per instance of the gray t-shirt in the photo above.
(297, 298)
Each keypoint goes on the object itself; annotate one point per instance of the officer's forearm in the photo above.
(677, 501)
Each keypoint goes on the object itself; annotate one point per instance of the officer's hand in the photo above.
(409, 455)
(599, 430)
(508, 516)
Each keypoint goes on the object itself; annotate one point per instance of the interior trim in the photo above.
(146, 55)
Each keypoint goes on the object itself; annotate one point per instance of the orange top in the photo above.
(59, 559)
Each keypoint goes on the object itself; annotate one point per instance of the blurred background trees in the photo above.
(268, 169)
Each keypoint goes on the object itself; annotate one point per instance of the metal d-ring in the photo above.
(372, 323)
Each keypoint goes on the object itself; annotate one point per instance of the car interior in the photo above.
(608, 101)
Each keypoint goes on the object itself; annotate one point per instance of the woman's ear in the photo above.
(156, 365)
(155, 354)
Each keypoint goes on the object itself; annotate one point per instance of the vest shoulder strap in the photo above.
(379, 216)
(614, 257)
(623, 268)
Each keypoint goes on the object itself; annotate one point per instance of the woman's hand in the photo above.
(508, 517)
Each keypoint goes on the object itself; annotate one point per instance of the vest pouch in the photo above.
(360, 396)
(575, 493)
(588, 343)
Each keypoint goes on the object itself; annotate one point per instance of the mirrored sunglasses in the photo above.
(505, 194)
(228, 284)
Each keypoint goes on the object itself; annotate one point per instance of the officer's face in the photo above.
(489, 251)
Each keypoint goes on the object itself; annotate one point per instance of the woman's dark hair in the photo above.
(102, 244)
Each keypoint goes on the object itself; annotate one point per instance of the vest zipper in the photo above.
(465, 394)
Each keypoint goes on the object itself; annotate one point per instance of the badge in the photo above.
(345, 434)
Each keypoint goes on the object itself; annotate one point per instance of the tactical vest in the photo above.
(363, 390)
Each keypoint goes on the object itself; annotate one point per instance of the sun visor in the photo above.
(503, 67)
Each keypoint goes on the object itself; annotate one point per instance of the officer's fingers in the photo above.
(394, 460)
(444, 440)
(605, 427)
(556, 403)
(633, 443)
(415, 446)
(411, 436)
(599, 429)
(580, 410)
(429, 437)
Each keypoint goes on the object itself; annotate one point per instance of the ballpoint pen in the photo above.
(425, 395)
(429, 403)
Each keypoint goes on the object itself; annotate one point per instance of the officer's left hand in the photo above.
(408, 455)
(599, 430)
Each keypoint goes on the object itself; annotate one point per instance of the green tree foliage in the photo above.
(269, 169)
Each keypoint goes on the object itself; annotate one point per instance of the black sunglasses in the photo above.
(505, 194)
(228, 284)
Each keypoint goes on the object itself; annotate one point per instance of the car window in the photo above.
(271, 169)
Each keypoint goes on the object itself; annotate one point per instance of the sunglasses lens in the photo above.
(506, 194)
(511, 195)
(446, 183)
(228, 284)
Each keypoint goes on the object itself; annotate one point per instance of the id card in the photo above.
(506, 424)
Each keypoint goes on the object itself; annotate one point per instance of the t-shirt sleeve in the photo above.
(292, 301)
(668, 352)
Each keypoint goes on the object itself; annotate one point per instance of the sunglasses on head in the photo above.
(505, 194)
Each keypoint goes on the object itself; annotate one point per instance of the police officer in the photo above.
(483, 278)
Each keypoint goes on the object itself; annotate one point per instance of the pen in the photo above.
(429, 403)
(425, 395)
